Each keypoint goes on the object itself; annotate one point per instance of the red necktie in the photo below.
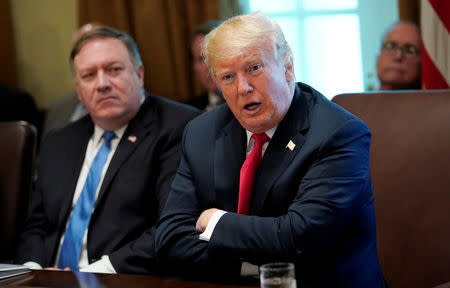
(248, 171)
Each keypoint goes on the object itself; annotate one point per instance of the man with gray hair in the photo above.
(103, 180)
(399, 63)
(279, 174)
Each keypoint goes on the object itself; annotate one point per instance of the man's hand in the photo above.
(57, 269)
(204, 218)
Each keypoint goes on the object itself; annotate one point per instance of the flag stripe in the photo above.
(430, 74)
(442, 8)
(435, 48)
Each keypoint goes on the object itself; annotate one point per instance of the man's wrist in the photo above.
(101, 266)
(32, 265)
(206, 235)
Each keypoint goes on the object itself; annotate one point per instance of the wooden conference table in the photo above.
(68, 279)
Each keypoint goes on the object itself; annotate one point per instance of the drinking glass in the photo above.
(277, 275)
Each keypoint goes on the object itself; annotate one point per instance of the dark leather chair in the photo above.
(445, 285)
(17, 150)
(410, 168)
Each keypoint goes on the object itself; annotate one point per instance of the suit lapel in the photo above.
(228, 158)
(74, 161)
(138, 129)
(281, 151)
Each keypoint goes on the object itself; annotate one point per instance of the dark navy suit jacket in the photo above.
(312, 205)
(133, 192)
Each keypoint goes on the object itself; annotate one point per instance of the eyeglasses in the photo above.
(408, 50)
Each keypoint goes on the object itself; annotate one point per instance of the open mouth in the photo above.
(252, 106)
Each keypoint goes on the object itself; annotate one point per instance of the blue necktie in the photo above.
(79, 221)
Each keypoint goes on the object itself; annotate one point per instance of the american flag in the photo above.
(435, 26)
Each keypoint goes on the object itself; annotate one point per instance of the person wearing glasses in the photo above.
(399, 63)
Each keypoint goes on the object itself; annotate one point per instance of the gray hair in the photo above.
(402, 22)
(103, 32)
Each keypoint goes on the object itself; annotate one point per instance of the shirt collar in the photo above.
(98, 133)
(269, 133)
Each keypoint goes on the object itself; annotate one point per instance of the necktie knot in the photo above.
(107, 137)
(260, 139)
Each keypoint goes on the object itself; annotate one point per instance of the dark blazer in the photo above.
(60, 112)
(312, 206)
(131, 197)
(201, 101)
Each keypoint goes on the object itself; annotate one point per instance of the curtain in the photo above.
(409, 10)
(162, 30)
(8, 68)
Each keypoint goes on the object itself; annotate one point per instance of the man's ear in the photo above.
(289, 71)
(77, 88)
(140, 74)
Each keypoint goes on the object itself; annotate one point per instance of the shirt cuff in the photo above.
(248, 269)
(101, 266)
(32, 265)
(206, 235)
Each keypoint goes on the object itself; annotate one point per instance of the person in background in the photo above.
(279, 174)
(211, 97)
(103, 179)
(68, 108)
(399, 62)
(19, 105)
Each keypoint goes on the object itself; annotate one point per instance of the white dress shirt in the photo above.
(213, 100)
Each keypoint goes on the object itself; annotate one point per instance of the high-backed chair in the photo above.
(410, 168)
(17, 150)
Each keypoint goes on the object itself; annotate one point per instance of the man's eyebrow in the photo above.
(252, 60)
(223, 72)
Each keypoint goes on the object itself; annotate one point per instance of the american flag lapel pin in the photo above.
(132, 139)
(290, 145)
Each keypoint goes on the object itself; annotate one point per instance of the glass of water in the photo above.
(277, 275)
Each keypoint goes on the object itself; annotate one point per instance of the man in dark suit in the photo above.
(109, 172)
(310, 201)
(18, 105)
(211, 96)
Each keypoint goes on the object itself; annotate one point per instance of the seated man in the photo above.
(17, 105)
(211, 97)
(310, 200)
(399, 62)
(103, 180)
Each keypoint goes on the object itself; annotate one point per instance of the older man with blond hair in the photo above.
(278, 174)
